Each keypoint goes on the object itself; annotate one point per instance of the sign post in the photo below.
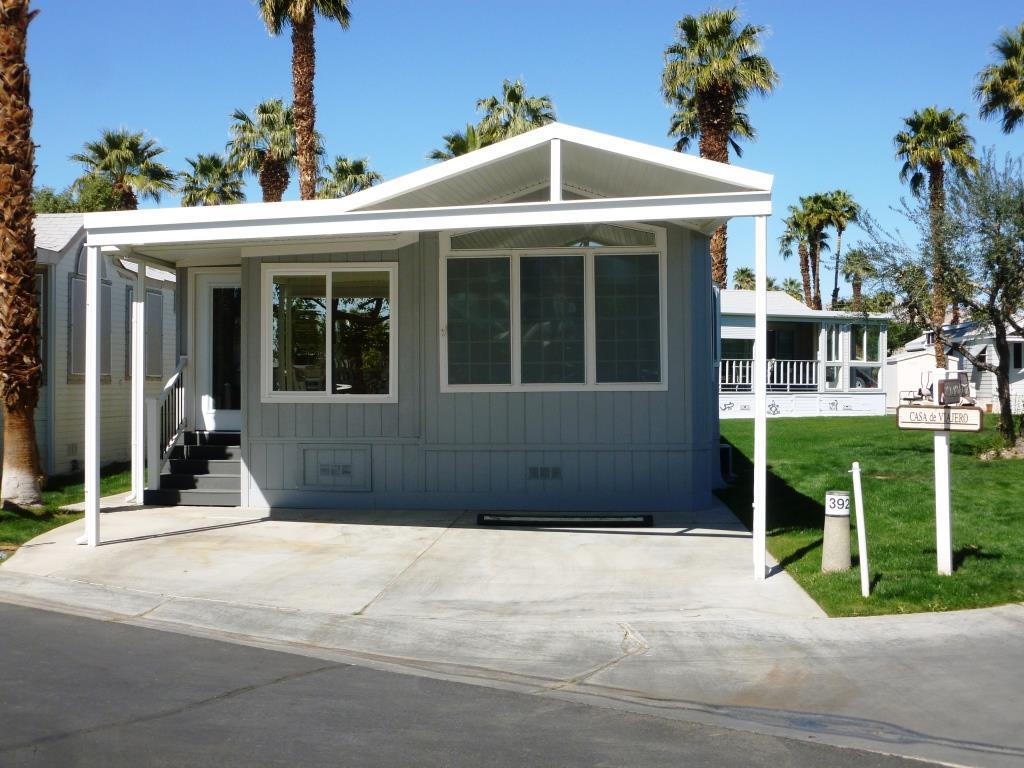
(942, 416)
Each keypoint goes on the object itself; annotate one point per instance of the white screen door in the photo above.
(218, 349)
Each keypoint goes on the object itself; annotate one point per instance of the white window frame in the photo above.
(325, 270)
(864, 362)
(514, 255)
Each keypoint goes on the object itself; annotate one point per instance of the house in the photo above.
(909, 367)
(820, 363)
(61, 280)
(529, 326)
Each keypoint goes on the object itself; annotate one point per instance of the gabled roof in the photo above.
(557, 174)
(55, 231)
(736, 301)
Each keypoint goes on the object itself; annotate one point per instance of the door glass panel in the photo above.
(299, 333)
(361, 332)
(226, 348)
(551, 301)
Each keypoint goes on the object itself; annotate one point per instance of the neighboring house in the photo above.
(909, 368)
(527, 327)
(820, 363)
(61, 270)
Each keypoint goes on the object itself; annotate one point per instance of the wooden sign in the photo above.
(937, 418)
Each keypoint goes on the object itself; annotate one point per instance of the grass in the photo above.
(18, 526)
(807, 457)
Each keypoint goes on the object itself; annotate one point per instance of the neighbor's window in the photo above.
(865, 347)
(737, 349)
(331, 332)
(864, 377)
(564, 320)
(1018, 355)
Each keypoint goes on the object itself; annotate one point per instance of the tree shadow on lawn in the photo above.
(789, 509)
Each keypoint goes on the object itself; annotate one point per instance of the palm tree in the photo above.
(344, 176)
(1000, 87)
(685, 126)
(858, 267)
(743, 279)
(19, 309)
(459, 143)
(212, 181)
(771, 283)
(128, 161)
(807, 235)
(710, 71)
(932, 141)
(264, 145)
(792, 286)
(840, 210)
(301, 15)
(513, 112)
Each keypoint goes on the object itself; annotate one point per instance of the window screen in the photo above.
(552, 319)
(154, 333)
(479, 321)
(627, 318)
(76, 347)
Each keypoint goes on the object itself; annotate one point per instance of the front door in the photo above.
(218, 350)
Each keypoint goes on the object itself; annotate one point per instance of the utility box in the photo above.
(835, 548)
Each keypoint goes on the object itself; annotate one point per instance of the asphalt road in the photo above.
(79, 692)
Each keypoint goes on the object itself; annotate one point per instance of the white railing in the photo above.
(783, 376)
(165, 422)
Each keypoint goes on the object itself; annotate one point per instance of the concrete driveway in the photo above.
(422, 564)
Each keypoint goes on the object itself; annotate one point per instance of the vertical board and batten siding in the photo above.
(648, 450)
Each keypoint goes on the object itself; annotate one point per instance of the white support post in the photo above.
(943, 518)
(92, 396)
(760, 394)
(556, 171)
(138, 353)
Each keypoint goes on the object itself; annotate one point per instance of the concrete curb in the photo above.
(928, 686)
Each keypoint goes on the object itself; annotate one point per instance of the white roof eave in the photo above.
(167, 227)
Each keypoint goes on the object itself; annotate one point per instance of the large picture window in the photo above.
(329, 333)
(589, 318)
(865, 348)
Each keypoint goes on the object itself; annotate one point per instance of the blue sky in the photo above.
(408, 71)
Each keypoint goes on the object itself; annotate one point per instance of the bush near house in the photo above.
(18, 526)
(807, 457)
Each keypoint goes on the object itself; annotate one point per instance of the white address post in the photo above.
(943, 521)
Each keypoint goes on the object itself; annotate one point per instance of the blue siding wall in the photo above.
(612, 450)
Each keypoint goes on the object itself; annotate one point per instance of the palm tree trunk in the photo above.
(835, 285)
(303, 72)
(19, 309)
(815, 263)
(273, 178)
(714, 113)
(126, 197)
(936, 207)
(856, 293)
(805, 274)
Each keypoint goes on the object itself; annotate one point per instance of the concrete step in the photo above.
(193, 497)
(205, 467)
(213, 438)
(203, 482)
(219, 452)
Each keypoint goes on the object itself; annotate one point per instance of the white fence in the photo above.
(783, 376)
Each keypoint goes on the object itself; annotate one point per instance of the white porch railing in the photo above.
(783, 376)
(165, 422)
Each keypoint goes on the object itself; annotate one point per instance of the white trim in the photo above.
(267, 273)
(555, 177)
(760, 397)
(149, 229)
(514, 255)
(92, 396)
(192, 415)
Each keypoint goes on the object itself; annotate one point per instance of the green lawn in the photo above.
(17, 527)
(807, 457)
